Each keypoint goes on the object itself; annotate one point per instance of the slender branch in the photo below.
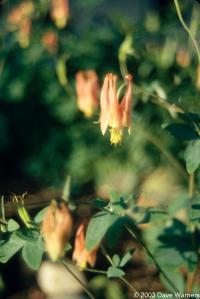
(191, 185)
(2, 208)
(137, 237)
(190, 282)
(81, 283)
(176, 3)
(87, 269)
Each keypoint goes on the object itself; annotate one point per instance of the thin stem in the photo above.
(2, 208)
(81, 283)
(190, 282)
(191, 185)
(137, 237)
(107, 256)
(87, 269)
(126, 282)
(161, 102)
(187, 29)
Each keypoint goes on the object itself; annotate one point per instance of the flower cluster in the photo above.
(56, 230)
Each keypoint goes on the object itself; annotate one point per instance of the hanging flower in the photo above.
(87, 89)
(56, 229)
(60, 12)
(20, 19)
(115, 114)
(18, 13)
(50, 41)
(183, 58)
(24, 32)
(80, 254)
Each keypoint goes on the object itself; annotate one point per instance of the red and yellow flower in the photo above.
(115, 114)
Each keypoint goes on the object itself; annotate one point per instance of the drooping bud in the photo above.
(183, 58)
(87, 89)
(80, 254)
(50, 41)
(56, 229)
(60, 12)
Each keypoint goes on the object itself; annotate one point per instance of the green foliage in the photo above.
(192, 156)
(182, 131)
(115, 272)
(32, 253)
(97, 228)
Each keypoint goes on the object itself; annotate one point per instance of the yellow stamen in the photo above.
(115, 136)
(88, 112)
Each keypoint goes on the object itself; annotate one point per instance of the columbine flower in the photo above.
(115, 114)
(87, 89)
(56, 229)
(80, 254)
(60, 12)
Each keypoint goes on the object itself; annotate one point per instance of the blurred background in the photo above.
(43, 135)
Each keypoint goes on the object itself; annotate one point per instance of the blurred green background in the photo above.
(43, 136)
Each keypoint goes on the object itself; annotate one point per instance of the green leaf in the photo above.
(12, 225)
(192, 156)
(115, 231)
(114, 197)
(182, 131)
(116, 259)
(97, 228)
(40, 215)
(194, 212)
(126, 258)
(12, 246)
(115, 272)
(28, 234)
(32, 253)
(99, 203)
(169, 257)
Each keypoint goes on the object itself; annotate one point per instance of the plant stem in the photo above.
(86, 269)
(81, 283)
(191, 185)
(176, 3)
(190, 282)
(137, 237)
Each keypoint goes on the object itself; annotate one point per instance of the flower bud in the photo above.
(59, 12)
(80, 254)
(56, 229)
(87, 89)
